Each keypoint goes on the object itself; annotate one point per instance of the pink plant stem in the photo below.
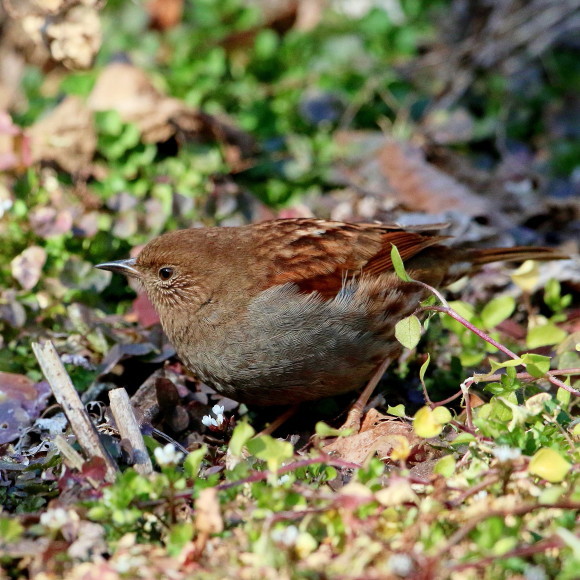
(450, 312)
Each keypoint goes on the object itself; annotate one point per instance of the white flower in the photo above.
(504, 453)
(286, 536)
(56, 518)
(400, 564)
(535, 573)
(167, 455)
(209, 421)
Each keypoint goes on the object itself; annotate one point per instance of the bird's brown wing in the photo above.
(319, 255)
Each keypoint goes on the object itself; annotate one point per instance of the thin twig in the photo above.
(456, 316)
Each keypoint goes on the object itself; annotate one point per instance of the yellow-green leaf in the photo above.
(397, 411)
(504, 365)
(442, 415)
(324, 430)
(463, 438)
(423, 368)
(545, 335)
(193, 461)
(536, 364)
(273, 451)
(549, 465)
(428, 423)
(408, 331)
(10, 529)
(563, 396)
(526, 276)
(398, 264)
(498, 310)
(445, 466)
(242, 433)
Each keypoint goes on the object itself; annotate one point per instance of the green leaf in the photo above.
(423, 368)
(193, 461)
(398, 265)
(10, 530)
(549, 465)
(519, 414)
(397, 411)
(464, 309)
(563, 396)
(495, 366)
(408, 331)
(536, 364)
(109, 122)
(545, 335)
(463, 438)
(498, 310)
(273, 451)
(445, 466)
(179, 535)
(242, 433)
(324, 430)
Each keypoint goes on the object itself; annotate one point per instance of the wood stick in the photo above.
(129, 429)
(70, 402)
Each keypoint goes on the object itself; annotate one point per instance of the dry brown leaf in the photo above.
(208, 518)
(14, 144)
(164, 14)
(380, 438)
(66, 32)
(74, 38)
(27, 267)
(66, 136)
(129, 91)
(420, 186)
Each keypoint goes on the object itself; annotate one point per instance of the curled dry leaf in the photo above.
(27, 266)
(64, 31)
(380, 438)
(74, 37)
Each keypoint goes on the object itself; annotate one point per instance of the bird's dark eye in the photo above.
(165, 273)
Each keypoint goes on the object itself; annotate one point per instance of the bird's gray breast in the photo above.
(292, 346)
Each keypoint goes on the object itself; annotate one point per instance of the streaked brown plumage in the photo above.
(298, 309)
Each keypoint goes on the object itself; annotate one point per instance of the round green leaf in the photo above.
(408, 331)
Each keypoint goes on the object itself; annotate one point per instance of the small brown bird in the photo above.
(297, 309)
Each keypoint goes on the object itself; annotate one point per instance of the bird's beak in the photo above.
(126, 267)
